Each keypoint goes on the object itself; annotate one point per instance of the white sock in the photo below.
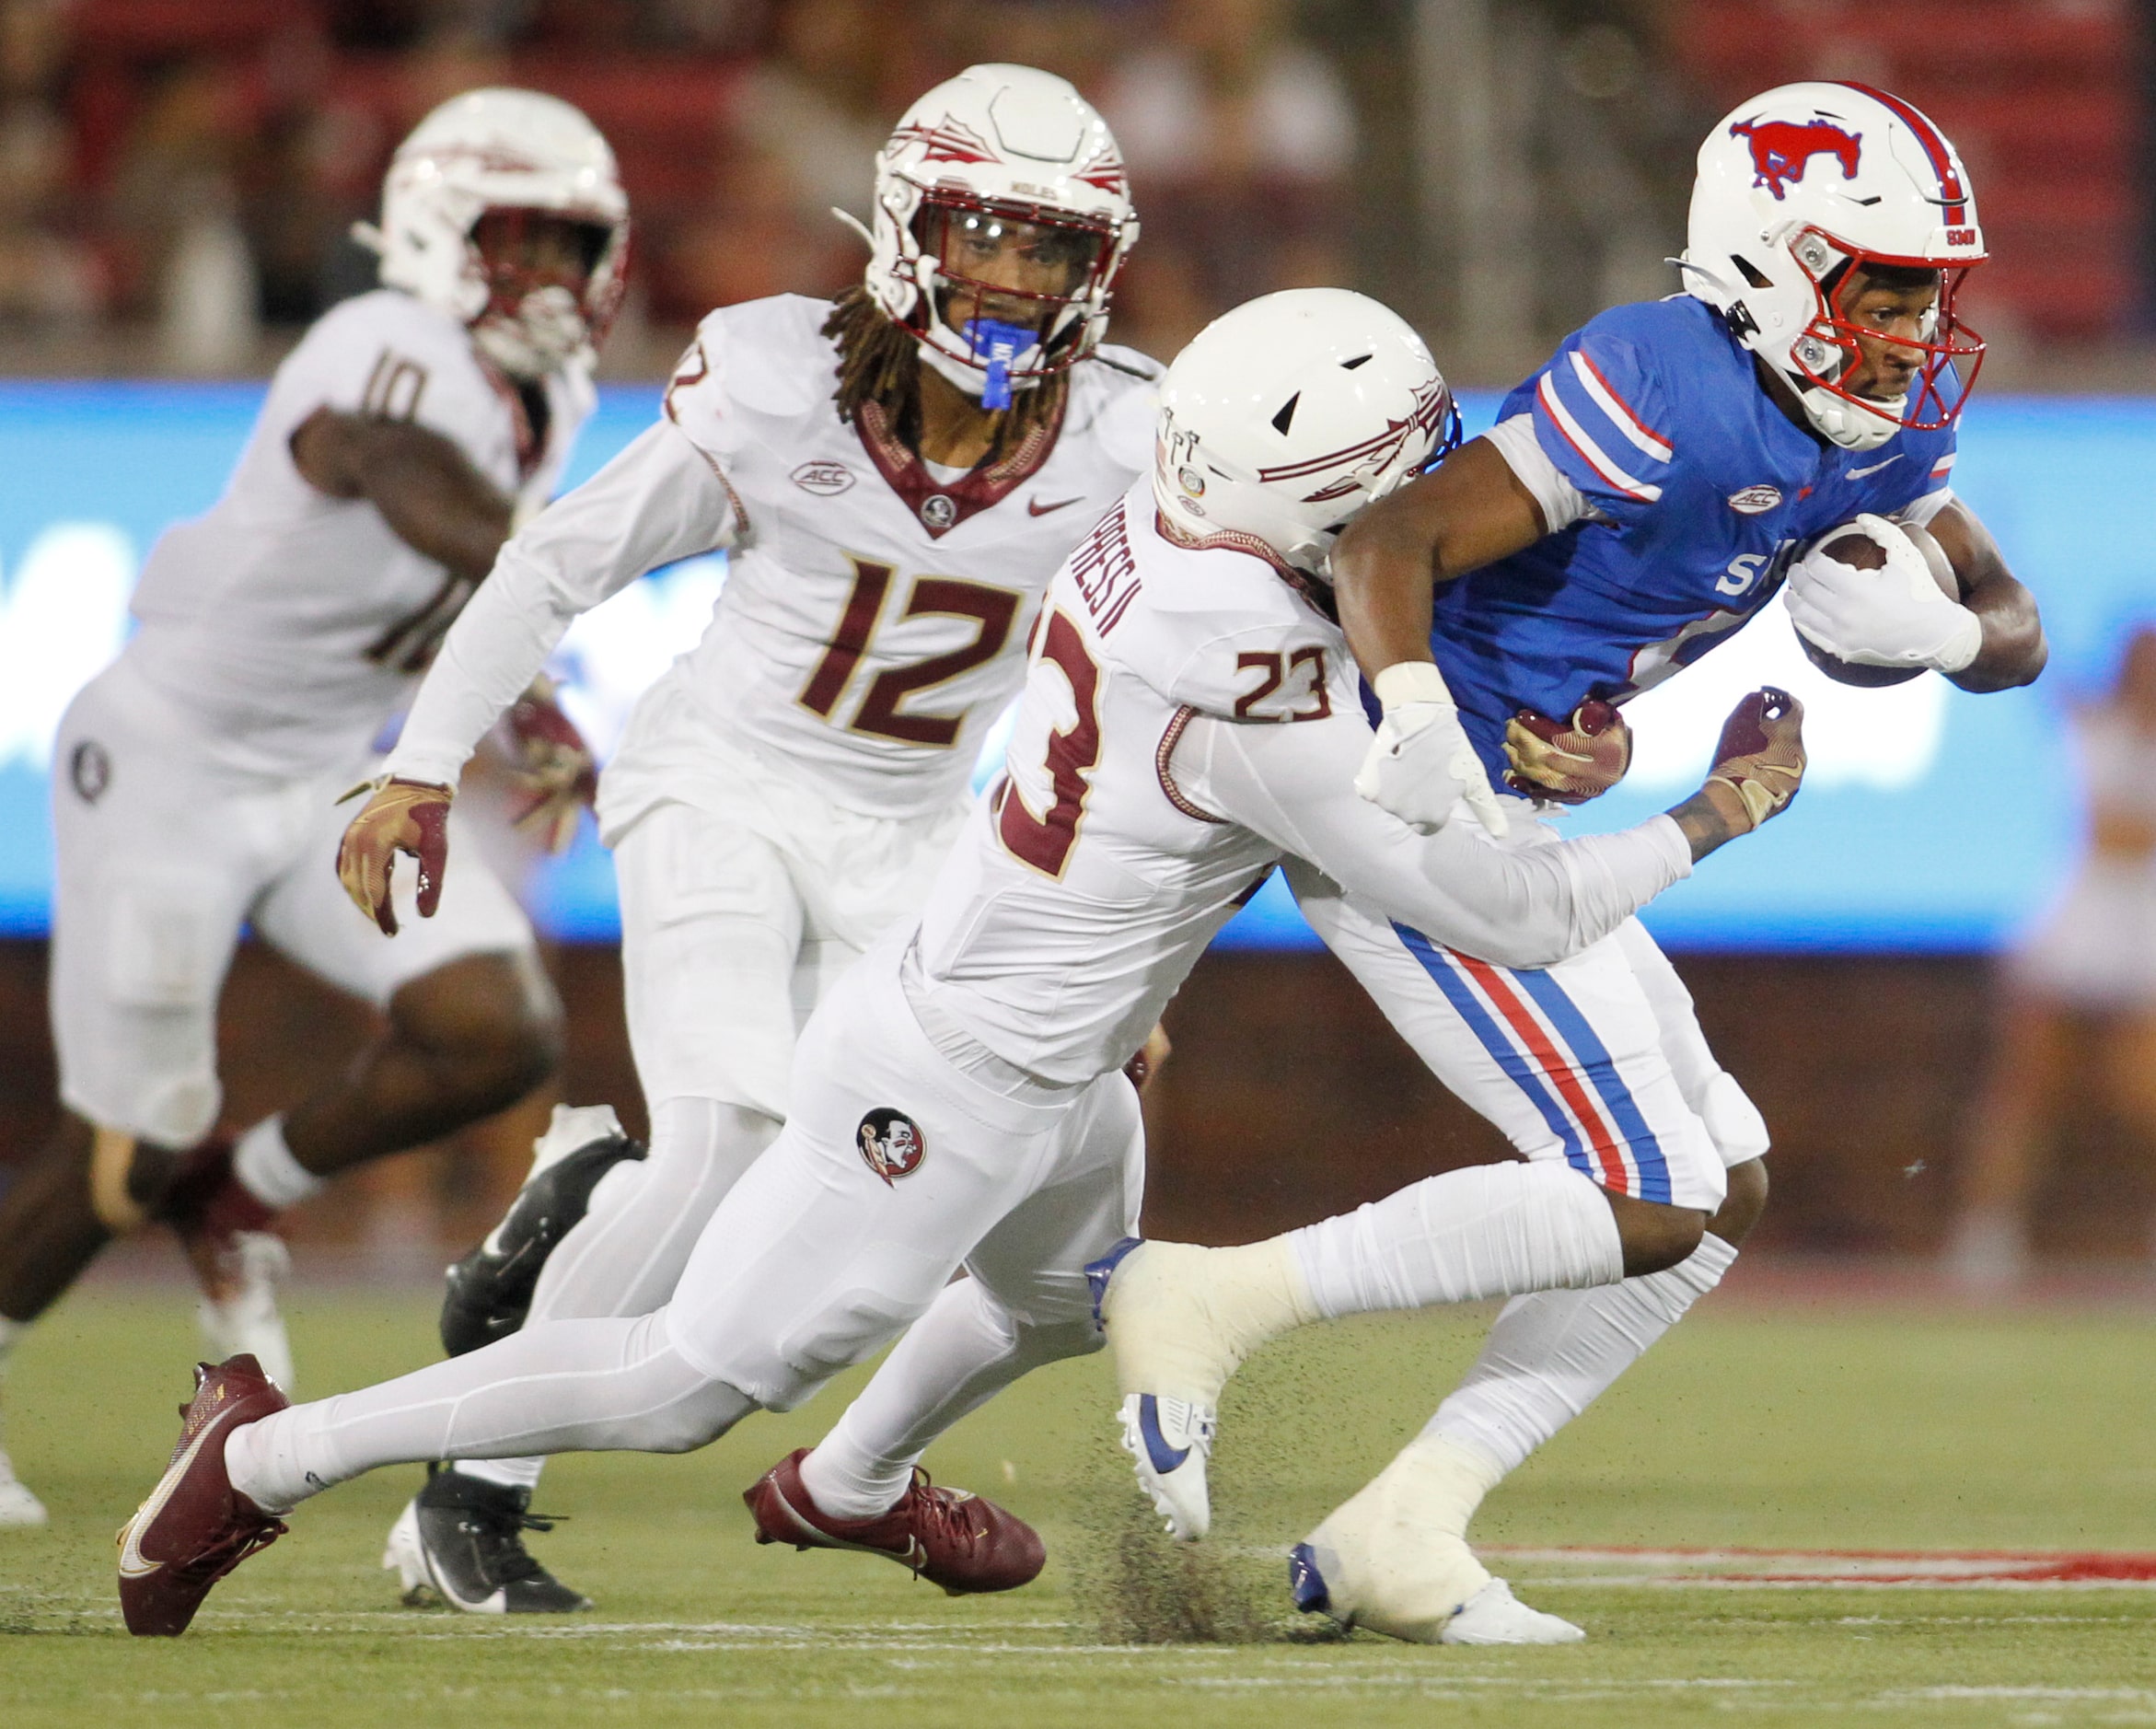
(267, 1170)
(505, 1473)
(953, 1360)
(11, 1333)
(1490, 1230)
(625, 1256)
(1551, 1354)
(564, 1387)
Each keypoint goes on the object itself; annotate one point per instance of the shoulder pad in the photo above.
(1198, 612)
(760, 358)
(1112, 357)
(1121, 409)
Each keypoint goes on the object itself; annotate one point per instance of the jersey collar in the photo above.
(940, 508)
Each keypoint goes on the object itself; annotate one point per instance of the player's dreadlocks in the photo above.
(880, 361)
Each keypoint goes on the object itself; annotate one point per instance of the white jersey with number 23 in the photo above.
(1190, 720)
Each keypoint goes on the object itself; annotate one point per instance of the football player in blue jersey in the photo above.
(1644, 494)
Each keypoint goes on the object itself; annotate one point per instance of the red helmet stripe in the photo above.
(1935, 147)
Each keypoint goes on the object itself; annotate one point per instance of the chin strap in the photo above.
(1848, 423)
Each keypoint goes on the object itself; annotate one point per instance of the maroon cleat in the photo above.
(196, 1527)
(948, 1537)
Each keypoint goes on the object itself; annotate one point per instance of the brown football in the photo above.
(1860, 550)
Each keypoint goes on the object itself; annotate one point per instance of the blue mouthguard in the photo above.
(999, 344)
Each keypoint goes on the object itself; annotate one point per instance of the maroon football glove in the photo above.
(408, 817)
(1760, 758)
(554, 767)
(1570, 762)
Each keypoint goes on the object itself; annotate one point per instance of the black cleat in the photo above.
(489, 1289)
(460, 1541)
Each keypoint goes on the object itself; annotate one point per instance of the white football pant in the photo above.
(840, 1237)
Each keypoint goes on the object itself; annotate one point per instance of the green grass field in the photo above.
(1810, 1428)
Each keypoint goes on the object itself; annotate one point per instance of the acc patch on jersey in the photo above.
(1753, 500)
(824, 479)
(891, 1143)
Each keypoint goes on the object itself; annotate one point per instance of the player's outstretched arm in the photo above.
(659, 501)
(1758, 766)
(428, 490)
(2014, 650)
(1527, 906)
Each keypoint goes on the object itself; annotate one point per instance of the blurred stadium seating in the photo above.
(2043, 100)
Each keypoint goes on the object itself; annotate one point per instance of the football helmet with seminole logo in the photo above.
(1289, 414)
(1803, 185)
(461, 191)
(999, 152)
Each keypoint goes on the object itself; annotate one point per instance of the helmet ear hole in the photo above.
(1751, 272)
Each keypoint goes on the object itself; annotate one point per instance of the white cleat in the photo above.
(1171, 1441)
(245, 1320)
(20, 1509)
(1493, 1616)
(405, 1556)
(1428, 1610)
(571, 1128)
(1180, 1320)
(1394, 1558)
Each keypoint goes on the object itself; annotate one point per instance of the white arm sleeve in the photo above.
(659, 501)
(1562, 503)
(1519, 906)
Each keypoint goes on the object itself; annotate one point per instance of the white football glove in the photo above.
(1892, 617)
(1420, 765)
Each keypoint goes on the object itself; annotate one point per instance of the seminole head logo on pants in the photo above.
(891, 1143)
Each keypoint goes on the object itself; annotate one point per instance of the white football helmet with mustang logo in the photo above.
(999, 152)
(1289, 414)
(1800, 186)
(461, 192)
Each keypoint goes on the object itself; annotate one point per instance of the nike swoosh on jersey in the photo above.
(134, 1564)
(1858, 474)
(1034, 507)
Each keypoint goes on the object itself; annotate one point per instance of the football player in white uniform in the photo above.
(276, 636)
(896, 477)
(1189, 719)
